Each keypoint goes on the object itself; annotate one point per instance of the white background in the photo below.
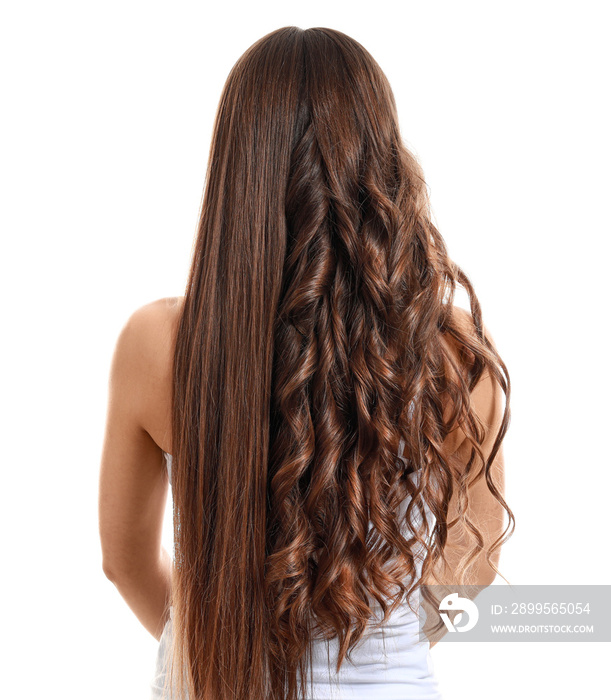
(105, 127)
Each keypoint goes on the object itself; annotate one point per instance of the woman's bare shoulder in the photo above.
(151, 329)
(460, 326)
(157, 317)
(461, 320)
(164, 305)
(486, 397)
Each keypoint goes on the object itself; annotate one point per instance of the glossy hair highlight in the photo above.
(318, 331)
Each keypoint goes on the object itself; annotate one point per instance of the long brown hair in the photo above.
(309, 346)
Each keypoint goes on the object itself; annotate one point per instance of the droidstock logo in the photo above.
(464, 605)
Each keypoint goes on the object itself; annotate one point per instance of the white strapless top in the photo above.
(388, 663)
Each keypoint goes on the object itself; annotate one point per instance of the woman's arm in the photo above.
(133, 484)
(484, 510)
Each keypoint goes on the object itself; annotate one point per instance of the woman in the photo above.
(329, 421)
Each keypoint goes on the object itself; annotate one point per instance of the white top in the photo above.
(388, 663)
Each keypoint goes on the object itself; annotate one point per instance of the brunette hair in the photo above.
(318, 334)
